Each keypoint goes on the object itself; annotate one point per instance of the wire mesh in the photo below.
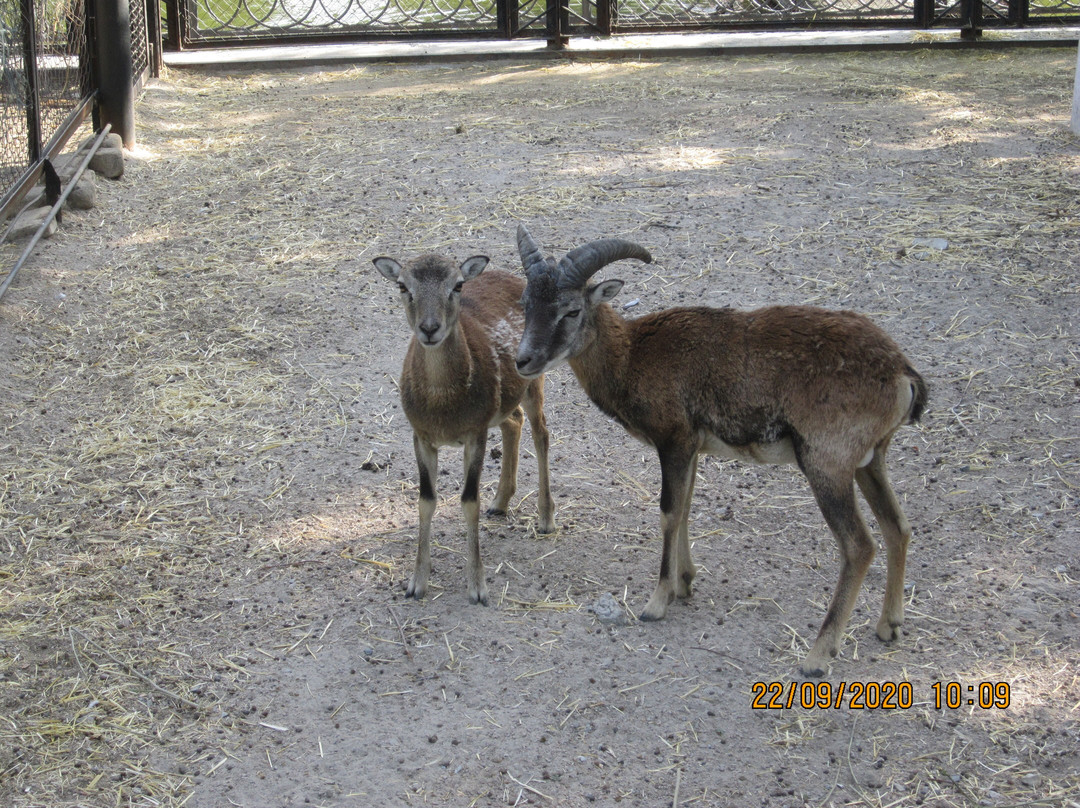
(62, 65)
(1041, 11)
(634, 13)
(42, 79)
(239, 19)
(140, 43)
(13, 89)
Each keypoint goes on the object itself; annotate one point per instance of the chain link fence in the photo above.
(48, 79)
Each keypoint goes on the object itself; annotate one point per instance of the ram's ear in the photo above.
(603, 292)
(471, 267)
(388, 268)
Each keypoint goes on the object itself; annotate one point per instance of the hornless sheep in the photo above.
(824, 389)
(457, 381)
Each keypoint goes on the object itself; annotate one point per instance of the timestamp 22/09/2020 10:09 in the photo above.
(877, 695)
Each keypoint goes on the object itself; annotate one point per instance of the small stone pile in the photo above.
(108, 162)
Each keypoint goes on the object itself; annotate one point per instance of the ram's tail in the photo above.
(919, 395)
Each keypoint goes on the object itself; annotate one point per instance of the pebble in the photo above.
(932, 243)
(608, 610)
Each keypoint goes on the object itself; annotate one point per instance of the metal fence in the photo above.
(47, 46)
(48, 80)
(214, 23)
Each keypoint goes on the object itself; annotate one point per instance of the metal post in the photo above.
(971, 17)
(153, 33)
(33, 102)
(605, 16)
(558, 23)
(116, 78)
(507, 17)
(924, 13)
(175, 38)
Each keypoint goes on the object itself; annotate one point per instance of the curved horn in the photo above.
(532, 258)
(581, 263)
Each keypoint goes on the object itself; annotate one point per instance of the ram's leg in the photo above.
(684, 576)
(427, 460)
(470, 506)
(534, 408)
(874, 483)
(674, 475)
(511, 440)
(836, 498)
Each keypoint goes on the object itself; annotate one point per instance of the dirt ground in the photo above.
(207, 510)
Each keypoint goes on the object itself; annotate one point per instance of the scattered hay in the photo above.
(203, 471)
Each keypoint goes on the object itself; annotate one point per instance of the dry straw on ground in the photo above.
(207, 511)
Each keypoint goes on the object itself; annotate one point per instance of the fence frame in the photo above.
(560, 23)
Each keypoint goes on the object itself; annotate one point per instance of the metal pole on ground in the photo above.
(54, 210)
(116, 78)
(1076, 96)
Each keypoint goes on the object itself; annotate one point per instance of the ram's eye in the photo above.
(572, 313)
(458, 287)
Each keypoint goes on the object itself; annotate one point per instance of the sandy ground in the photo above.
(207, 509)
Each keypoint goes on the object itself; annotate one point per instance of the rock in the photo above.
(66, 165)
(608, 610)
(29, 221)
(84, 195)
(109, 161)
(924, 248)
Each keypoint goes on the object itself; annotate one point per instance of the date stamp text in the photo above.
(876, 695)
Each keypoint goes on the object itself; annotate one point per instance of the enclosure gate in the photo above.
(217, 23)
